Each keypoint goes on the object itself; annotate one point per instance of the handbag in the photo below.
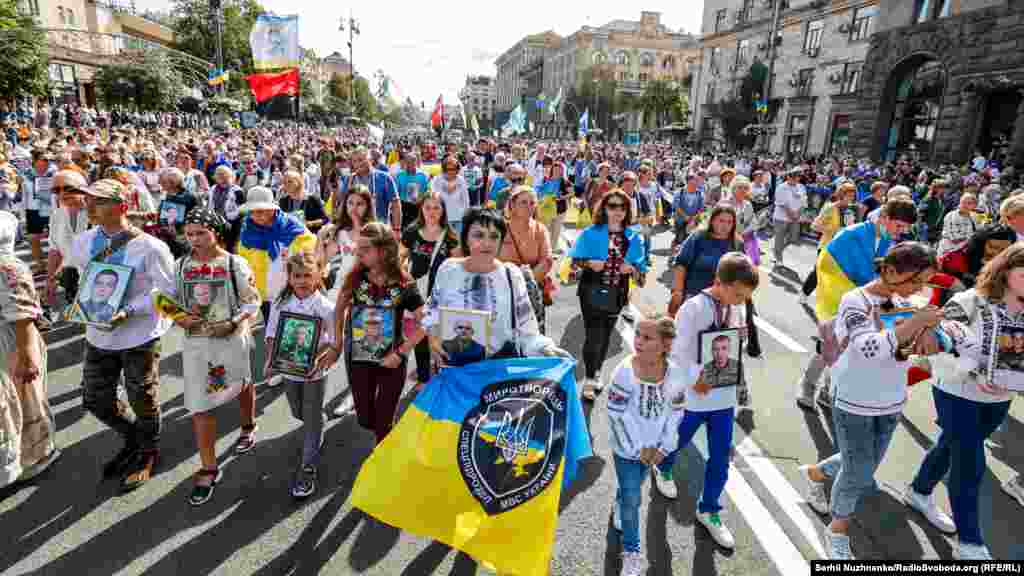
(601, 297)
(510, 349)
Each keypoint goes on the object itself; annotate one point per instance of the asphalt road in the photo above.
(71, 522)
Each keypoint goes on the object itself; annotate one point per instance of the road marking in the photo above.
(788, 281)
(780, 336)
(781, 490)
(784, 554)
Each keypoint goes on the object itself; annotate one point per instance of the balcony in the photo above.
(535, 66)
(630, 86)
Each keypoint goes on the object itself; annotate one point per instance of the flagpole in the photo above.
(219, 18)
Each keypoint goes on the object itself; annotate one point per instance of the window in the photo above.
(743, 51)
(716, 54)
(864, 22)
(71, 17)
(622, 59)
(646, 60)
(28, 7)
(644, 77)
(839, 142)
(797, 123)
(720, 19)
(747, 14)
(804, 82)
(851, 77)
(915, 116)
(668, 63)
(709, 94)
(812, 42)
(599, 58)
(709, 126)
(925, 10)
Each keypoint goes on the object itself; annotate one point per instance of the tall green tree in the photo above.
(737, 112)
(148, 81)
(195, 32)
(23, 60)
(663, 102)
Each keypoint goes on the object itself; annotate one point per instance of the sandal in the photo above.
(246, 440)
(201, 494)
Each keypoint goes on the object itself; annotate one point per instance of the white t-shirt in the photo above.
(694, 316)
(788, 196)
(316, 304)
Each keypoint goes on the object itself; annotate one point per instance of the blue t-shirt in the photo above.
(690, 203)
(499, 184)
(410, 185)
(700, 255)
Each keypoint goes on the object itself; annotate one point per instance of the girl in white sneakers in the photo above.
(645, 405)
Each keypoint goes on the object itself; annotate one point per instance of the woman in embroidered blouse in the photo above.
(609, 252)
(216, 350)
(378, 291)
(974, 401)
(27, 431)
(870, 383)
(527, 245)
(336, 243)
(481, 282)
(425, 255)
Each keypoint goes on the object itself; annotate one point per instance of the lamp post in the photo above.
(218, 17)
(353, 30)
(766, 89)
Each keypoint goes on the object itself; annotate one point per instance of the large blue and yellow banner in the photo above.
(480, 459)
(274, 41)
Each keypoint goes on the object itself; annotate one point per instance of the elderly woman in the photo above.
(739, 199)
(225, 199)
(27, 429)
(305, 207)
(483, 283)
(453, 190)
(527, 245)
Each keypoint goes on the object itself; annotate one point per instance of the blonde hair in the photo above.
(1011, 207)
(663, 324)
(300, 261)
(517, 192)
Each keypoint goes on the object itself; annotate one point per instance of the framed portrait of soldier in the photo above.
(210, 300)
(1009, 366)
(464, 335)
(101, 294)
(295, 344)
(720, 357)
(172, 213)
(373, 333)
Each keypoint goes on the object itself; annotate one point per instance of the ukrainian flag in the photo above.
(217, 77)
(479, 461)
(848, 261)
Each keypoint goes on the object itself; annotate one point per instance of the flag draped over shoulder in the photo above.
(266, 86)
(479, 461)
(848, 261)
(216, 77)
(274, 41)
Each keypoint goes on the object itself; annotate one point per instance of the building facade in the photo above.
(943, 80)
(630, 52)
(819, 50)
(82, 35)
(478, 96)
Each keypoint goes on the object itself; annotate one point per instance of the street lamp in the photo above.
(353, 30)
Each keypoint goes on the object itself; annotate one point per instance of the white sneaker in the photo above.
(816, 498)
(926, 506)
(838, 546)
(719, 531)
(616, 521)
(1015, 488)
(632, 564)
(665, 483)
(966, 551)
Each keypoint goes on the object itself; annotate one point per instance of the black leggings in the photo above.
(598, 327)
(811, 282)
(422, 351)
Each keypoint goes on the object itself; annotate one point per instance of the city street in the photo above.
(71, 522)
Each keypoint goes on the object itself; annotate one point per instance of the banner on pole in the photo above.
(275, 42)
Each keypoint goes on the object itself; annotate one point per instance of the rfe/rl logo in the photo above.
(511, 444)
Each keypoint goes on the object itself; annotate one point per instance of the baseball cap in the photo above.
(108, 188)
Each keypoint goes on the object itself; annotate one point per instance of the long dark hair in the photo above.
(380, 236)
(421, 220)
(343, 220)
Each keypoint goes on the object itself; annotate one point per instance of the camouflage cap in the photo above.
(110, 189)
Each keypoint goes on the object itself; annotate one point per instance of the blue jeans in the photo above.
(716, 469)
(862, 442)
(960, 450)
(630, 475)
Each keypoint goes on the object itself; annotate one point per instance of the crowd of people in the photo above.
(327, 250)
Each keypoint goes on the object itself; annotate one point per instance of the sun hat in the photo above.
(259, 198)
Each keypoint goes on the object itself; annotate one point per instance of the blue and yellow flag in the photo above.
(217, 77)
(848, 261)
(480, 459)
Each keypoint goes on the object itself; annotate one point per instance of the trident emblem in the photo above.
(514, 436)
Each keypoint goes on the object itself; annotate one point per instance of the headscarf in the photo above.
(206, 218)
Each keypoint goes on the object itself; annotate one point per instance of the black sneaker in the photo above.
(116, 466)
(305, 484)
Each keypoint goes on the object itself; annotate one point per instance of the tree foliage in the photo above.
(735, 112)
(339, 97)
(23, 60)
(596, 91)
(663, 102)
(149, 80)
(195, 32)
